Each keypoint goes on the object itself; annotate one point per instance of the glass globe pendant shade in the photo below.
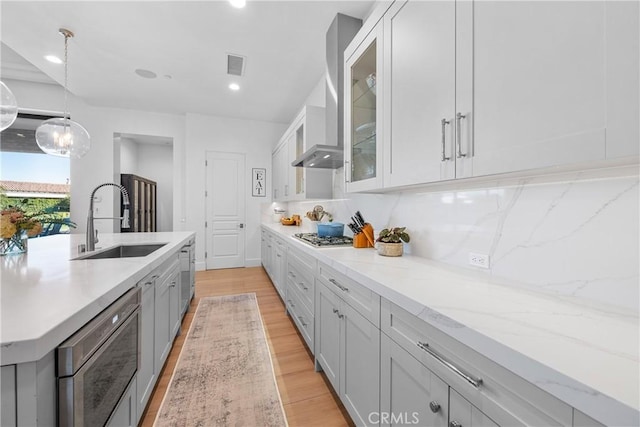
(63, 137)
(8, 107)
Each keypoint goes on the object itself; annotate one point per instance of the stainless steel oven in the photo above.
(97, 363)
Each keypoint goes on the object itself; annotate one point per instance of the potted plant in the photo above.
(390, 241)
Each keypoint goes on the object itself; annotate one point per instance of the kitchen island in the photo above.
(581, 353)
(46, 296)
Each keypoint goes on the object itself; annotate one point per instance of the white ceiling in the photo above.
(283, 42)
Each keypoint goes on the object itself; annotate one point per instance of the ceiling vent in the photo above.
(235, 64)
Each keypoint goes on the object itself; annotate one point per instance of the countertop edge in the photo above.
(591, 402)
(34, 349)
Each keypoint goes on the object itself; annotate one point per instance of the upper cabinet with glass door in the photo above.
(296, 183)
(363, 112)
(476, 88)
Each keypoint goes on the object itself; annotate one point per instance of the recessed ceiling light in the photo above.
(20, 135)
(312, 164)
(238, 3)
(53, 58)
(327, 156)
(234, 86)
(146, 73)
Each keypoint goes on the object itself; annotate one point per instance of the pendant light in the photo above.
(62, 136)
(8, 107)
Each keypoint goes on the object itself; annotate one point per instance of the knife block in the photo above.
(364, 239)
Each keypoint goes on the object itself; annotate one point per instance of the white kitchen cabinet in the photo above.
(363, 97)
(328, 333)
(174, 303)
(532, 84)
(410, 394)
(583, 420)
(463, 414)
(164, 306)
(297, 183)
(147, 372)
(125, 414)
(300, 293)
(420, 92)
(503, 397)
(279, 265)
(274, 259)
(280, 172)
(307, 130)
(348, 350)
(8, 403)
(487, 87)
(623, 78)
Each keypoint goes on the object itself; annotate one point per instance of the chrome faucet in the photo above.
(92, 233)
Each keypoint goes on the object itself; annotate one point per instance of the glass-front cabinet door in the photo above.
(363, 113)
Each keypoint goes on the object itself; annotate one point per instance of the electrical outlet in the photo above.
(479, 260)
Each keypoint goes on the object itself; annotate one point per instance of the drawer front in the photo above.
(279, 242)
(305, 262)
(301, 283)
(302, 317)
(521, 403)
(359, 297)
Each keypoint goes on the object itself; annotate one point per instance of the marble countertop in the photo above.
(45, 296)
(583, 353)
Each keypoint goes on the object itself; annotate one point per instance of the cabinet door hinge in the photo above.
(206, 224)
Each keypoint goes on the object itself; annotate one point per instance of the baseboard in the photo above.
(253, 262)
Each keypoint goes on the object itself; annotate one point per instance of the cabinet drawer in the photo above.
(304, 262)
(362, 299)
(520, 402)
(302, 317)
(302, 285)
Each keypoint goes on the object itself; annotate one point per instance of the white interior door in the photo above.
(225, 194)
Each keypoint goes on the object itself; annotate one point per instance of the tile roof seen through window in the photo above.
(35, 188)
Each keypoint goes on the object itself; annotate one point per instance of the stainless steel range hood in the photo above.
(331, 155)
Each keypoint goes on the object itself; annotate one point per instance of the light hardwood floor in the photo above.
(306, 395)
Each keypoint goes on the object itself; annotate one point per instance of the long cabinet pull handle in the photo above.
(459, 153)
(342, 288)
(474, 381)
(346, 166)
(444, 123)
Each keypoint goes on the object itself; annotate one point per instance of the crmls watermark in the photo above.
(394, 418)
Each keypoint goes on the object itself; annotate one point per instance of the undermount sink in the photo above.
(123, 251)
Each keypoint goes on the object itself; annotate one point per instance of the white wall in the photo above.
(128, 155)
(252, 138)
(155, 163)
(102, 162)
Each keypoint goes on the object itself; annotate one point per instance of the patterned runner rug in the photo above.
(224, 375)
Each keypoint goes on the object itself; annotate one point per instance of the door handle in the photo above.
(444, 123)
(241, 225)
(459, 153)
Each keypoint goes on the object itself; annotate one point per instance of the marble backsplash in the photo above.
(577, 235)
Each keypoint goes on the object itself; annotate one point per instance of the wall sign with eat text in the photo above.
(259, 182)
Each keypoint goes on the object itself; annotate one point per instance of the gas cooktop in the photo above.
(322, 242)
